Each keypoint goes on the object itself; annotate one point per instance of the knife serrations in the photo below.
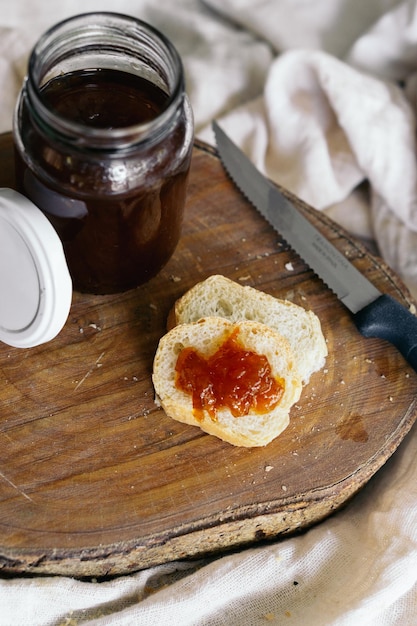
(352, 288)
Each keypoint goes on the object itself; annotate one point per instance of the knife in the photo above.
(375, 314)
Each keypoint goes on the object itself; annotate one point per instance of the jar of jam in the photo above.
(103, 135)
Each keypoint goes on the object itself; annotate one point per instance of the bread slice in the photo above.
(222, 297)
(206, 336)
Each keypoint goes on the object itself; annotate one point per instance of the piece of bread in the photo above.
(206, 336)
(219, 296)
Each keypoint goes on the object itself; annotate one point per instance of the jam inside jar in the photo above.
(103, 135)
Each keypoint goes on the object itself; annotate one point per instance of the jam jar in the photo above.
(103, 135)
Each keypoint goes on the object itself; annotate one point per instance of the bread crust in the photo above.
(219, 296)
(290, 337)
(206, 336)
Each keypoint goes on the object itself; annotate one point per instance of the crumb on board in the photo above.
(93, 325)
(96, 365)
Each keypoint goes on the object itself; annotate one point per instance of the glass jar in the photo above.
(103, 135)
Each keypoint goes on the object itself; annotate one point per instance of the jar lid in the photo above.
(35, 285)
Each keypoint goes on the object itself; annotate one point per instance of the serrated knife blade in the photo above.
(375, 314)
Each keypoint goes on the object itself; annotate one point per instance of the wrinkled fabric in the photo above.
(320, 129)
(323, 98)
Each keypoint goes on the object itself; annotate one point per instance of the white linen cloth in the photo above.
(322, 96)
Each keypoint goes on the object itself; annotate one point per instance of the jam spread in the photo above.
(233, 378)
(117, 211)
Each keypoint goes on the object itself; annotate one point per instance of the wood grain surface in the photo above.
(95, 480)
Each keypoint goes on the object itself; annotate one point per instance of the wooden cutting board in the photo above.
(96, 480)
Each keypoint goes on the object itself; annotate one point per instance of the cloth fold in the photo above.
(321, 128)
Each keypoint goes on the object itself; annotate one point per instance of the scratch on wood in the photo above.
(11, 483)
(90, 371)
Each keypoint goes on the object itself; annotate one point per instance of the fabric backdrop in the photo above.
(322, 96)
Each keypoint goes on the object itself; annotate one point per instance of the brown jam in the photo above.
(104, 98)
(118, 210)
(233, 378)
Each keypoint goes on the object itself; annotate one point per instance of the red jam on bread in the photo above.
(232, 377)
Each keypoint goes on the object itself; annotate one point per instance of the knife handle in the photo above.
(387, 319)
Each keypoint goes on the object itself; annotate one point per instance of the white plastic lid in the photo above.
(35, 285)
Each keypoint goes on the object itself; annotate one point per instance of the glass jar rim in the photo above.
(111, 21)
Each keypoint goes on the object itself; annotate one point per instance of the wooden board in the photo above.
(96, 480)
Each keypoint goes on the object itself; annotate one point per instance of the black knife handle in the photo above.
(387, 319)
